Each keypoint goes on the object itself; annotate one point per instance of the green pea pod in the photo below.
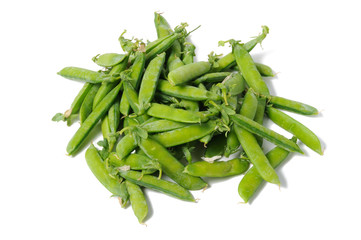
(187, 92)
(85, 75)
(94, 117)
(87, 105)
(249, 142)
(114, 121)
(105, 129)
(188, 53)
(232, 143)
(150, 80)
(109, 59)
(100, 171)
(232, 167)
(162, 125)
(161, 25)
(174, 63)
(132, 97)
(185, 134)
(263, 69)
(212, 77)
(188, 72)
(126, 145)
(162, 46)
(296, 128)
(292, 106)
(170, 165)
(174, 114)
(160, 185)
(252, 179)
(266, 133)
(137, 200)
(189, 105)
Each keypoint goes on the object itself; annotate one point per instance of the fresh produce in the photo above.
(157, 105)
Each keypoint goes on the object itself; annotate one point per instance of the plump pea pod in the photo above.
(296, 128)
(259, 116)
(109, 59)
(185, 134)
(114, 121)
(229, 60)
(263, 69)
(234, 83)
(162, 125)
(162, 46)
(187, 92)
(136, 72)
(174, 114)
(252, 180)
(249, 70)
(106, 87)
(126, 145)
(188, 72)
(215, 148)
(87, 105)
(174, 62)
(105, 128)
(170, 165)
(132, 97)
(266, 133)
(85, 75)
(89, 123)
(206, 139)
(137, 200)
(188, 53)
(212, 77)
(160, 185)
(161, 25)
(292, 106)
(149, 82)
(100, 171)
(232, 167)
(189, 105)
(249, 142)
(232, 143)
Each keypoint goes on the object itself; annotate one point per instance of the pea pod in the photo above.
(160, 185)
(99, 170)
(292, 106)
(109, 59)
(263, 69)
(178, 115)
(188, 72)
(296, 128)
(87, 105)
(161, 25)
(212, 77)
(185, 134)
(162, 46)
(252, 179)
(150, 80)
(126, 145)
(234, 83)
(94, 117)
(215, 147)
(170, 165)
(232, 167)
(187, 92)
(232, 143)
(85, 75)
(188, 53)
(162, 125)
(137, 200)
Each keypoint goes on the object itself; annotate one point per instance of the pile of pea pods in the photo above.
(159, 108)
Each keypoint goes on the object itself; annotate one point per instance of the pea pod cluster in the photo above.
(163, 113)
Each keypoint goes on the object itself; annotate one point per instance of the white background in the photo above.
(315, 47)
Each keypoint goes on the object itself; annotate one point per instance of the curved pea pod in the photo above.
(234, 83)
(189, 105)
(163, 46)
(105, 128)
(94, 117)
(132, 97)
(296, 128)
(188, 72)
(232, 167)
(263, 69)
(212, 77)
(252, 180)
(109, 59)
(215, 148)
(87, 105)
(185, 134)
(174, 114)
(174, 62)
(85, 75)
(187, 92)
(100, 171)
(188, 53)
(266, 133)
(170, 165)
(161, 25)
(292, 106)
(232, 143)
(149, 82)
(126, 145)
(162, 125)
(160, 185)
(137, 200)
